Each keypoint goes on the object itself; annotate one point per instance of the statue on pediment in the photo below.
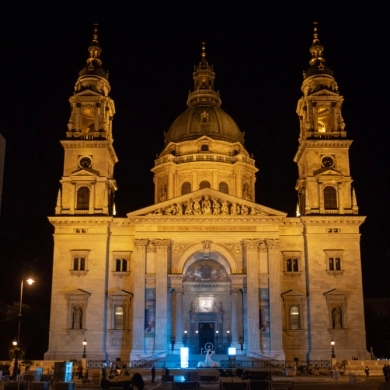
(206, 205)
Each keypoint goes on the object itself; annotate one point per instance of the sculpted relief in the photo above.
(207, 205)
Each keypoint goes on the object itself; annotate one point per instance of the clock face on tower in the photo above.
(327, 162)
(85, 162)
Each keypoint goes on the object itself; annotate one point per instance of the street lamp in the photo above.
(30, 281)
(332, 343)
(16, 357)
(85, 352)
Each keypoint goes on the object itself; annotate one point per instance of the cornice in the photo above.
(332, 220)
(203, 219)
(78, 220)
(320, 144)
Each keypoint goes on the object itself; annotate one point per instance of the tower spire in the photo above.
(317, 50)
(204, 77)
(94, 50)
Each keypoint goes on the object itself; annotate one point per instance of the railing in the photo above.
(204, 157)
(146, 361)
(221, 344)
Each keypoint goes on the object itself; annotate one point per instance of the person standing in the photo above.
(153, 373)
(80, 371)
(163, 372)
(367, 371)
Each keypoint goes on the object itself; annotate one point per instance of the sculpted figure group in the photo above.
(208, 206)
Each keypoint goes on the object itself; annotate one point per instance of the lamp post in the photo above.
(332, 343)
(85, 351)
(30, 281)
(16, 357)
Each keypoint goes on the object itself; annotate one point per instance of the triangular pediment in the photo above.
(79, 292)
(87, 92)
(335, 293)
(327, 92)
(327, 171)
(207, 202)
(121, 293)
(85, 172)
(292, 293)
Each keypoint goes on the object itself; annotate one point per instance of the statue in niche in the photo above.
(163, 193)
(77, 317)
(194, 306)
(218, 307)
(336, 317)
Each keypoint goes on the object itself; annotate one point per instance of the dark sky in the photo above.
(258, 51)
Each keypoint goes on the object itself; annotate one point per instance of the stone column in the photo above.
(334, 116)
(92, 199)
(253, 339)
(78, 114)
(237, 284)
(170, 186)
(97, 124)
(340, 199)
(177, 284)
(161, 296)
(139, 299)
(239, 185)
(315, 118)
(274, 256)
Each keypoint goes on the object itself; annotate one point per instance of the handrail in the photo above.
(147, 359)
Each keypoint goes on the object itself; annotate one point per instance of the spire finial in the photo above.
(203, 50)
(95, 33)
(317, 49)
(94, 49)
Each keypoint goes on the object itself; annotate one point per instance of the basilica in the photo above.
(206, 266)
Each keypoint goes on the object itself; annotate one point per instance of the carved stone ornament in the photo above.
(207, 205)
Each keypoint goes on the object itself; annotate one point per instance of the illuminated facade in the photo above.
(205, 263)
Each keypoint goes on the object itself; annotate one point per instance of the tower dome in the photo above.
(204, 117)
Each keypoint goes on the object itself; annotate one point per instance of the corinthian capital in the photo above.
(273, 244)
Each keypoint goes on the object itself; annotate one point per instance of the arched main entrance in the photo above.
(206, 305)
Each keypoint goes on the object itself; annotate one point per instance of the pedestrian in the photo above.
(163, 371)
(137, 381)
(153, 373)
(367, 371)
(80, 371)
(316, 370)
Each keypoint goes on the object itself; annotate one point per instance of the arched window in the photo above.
(119, 317)
(185, 188)
(295, 320)
(204, 184)
(223, 187)
(330, 198)
(83, 198)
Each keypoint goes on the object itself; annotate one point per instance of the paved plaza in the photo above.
(300, 383)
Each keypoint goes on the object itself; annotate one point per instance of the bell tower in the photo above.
(87, 182)
(324, 185)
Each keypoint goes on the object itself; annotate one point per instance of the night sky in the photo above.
(150, 48)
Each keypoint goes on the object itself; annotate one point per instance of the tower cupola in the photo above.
(93, 76)
(318, 76)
